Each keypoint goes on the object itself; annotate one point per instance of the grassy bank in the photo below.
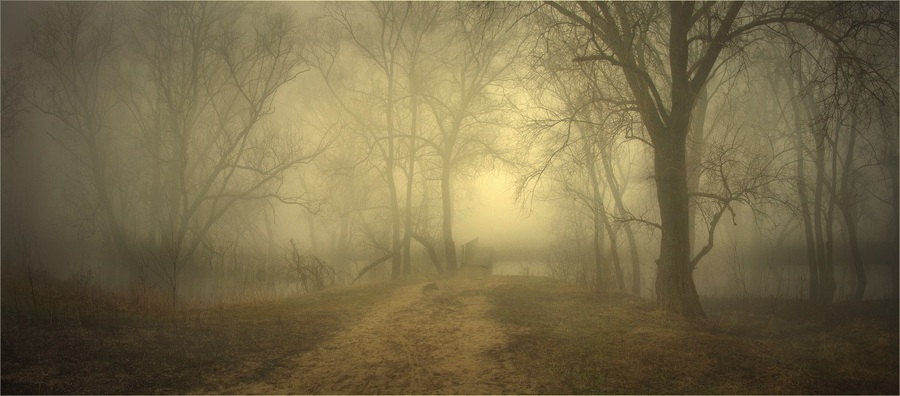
(99, 349)
(587, 342)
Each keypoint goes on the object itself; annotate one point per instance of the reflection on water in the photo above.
(527, 268)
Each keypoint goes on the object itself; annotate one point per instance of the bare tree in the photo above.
(74, 49)
(483, 48)
(383, 52)
(211, 91)
(196, 90)
(666, 53)
(13, 97)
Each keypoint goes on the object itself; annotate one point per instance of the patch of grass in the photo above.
(172, 352)
(582, 341)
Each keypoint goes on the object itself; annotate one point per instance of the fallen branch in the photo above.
(370, 266)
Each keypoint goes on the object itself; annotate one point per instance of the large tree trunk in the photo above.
(675, 289)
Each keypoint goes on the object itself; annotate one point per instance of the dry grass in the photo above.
(587, 342)
(113, 344)
(565, 338)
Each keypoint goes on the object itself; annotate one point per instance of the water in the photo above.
(527, 268)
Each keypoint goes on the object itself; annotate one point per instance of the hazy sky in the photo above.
(495, 218)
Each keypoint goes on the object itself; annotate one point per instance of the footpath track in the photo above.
(429, 337)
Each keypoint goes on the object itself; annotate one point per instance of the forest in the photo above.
(249, 181)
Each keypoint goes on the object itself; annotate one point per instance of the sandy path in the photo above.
(420, 341)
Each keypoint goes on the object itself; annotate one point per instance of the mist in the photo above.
(169, 158)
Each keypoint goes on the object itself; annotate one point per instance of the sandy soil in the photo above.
(425, 339)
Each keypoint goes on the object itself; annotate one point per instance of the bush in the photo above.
(308, 270)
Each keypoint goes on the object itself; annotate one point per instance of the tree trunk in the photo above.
(447, 214)
(667, 128)
(596, 214)
(861, 280)
(432, 253)
(675, 289)
(410, 172)
(311, 226)
(626, 226)
(695, 157)
(407, 226)
(629, 233)
(614, 252)
(894, 171)
(847, 206)
(113, 229)
(811, 255)
(828, 281)
(396, 259)
(826, 290)
(581, 276)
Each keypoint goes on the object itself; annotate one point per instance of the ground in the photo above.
(428, 337)
(466, 334)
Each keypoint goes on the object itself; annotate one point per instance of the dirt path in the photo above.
(424, 340)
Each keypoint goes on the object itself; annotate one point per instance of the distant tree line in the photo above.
(192, 126)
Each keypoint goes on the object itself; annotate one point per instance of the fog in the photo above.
(215, 151)
(438, 197)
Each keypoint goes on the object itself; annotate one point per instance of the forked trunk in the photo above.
(629, 233)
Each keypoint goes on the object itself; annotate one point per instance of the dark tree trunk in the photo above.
(675, 289)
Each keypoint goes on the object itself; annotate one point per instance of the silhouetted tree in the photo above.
(666, 53)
